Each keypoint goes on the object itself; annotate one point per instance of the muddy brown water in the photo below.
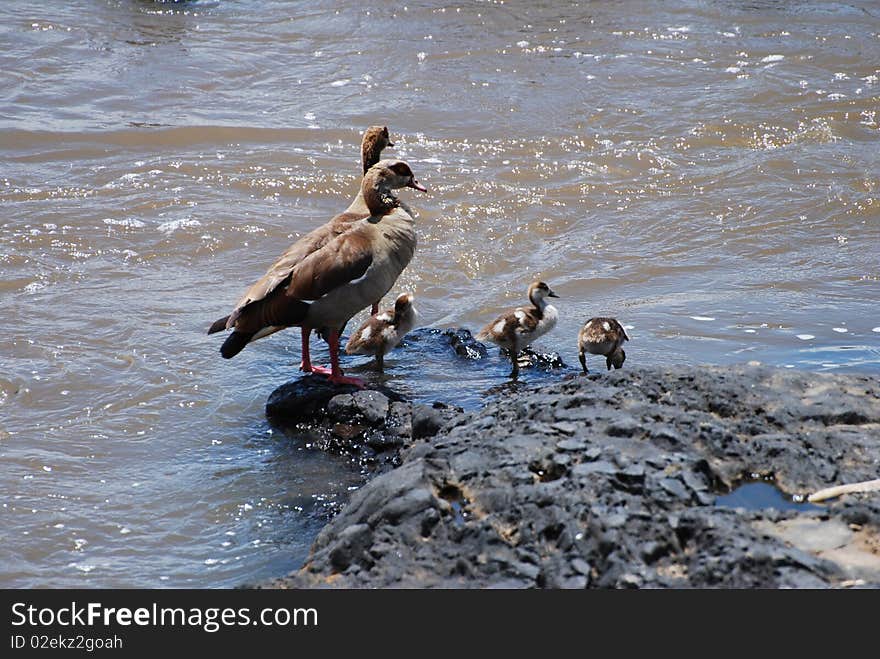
(707, 172)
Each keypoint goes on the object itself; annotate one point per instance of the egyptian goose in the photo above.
(516, 329)
(602, 336)
(383, 332)
(375, 139)
(323, 290)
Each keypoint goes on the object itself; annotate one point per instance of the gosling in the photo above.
(382, 332)
(517, 329)
(602, 336)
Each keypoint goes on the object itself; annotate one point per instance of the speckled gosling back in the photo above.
(602, 336)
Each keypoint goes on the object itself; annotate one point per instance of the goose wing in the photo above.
(343, 260)
(281, 270)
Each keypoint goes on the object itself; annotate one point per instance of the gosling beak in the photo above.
(415, 184)
(391, 144)
(552, 294)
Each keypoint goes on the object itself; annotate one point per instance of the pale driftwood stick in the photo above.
(837, 490)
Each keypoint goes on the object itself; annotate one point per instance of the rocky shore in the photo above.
(604, 481)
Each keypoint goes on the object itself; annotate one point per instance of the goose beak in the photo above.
(415, 184)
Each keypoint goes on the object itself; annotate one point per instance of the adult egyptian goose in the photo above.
(516, 329)
(602, 336)
(323, 290)
(383, 332)
(375, 139)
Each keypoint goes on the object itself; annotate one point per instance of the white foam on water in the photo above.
(841, 330)
(174, 225)
(773, 58)
(805, 337)
(704, 318)
(128, 223)
(340, 83)
(82, 567)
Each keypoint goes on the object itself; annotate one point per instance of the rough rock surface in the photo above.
(610, 480)
(370, 424)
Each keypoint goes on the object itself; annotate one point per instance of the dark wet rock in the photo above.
(460, 340)
(464, 344)
(369, 424)
(304, 399)
(371, 406)
(609, 481)
(530, 358)
(427, 421)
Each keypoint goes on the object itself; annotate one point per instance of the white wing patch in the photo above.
(385, 317)
(520, 315)
(606, 326)
(365, 334)
(499, 327)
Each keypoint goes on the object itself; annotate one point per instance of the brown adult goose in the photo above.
(516, 329)
(375, 139)
(332, 282)
(602, 336)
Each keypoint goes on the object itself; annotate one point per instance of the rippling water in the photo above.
(708, 172)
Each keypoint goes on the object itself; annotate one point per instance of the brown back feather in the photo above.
(295, 254)
(344, 259)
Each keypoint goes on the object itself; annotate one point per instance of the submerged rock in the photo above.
(577, 485)
(531, 358)
(459, 339)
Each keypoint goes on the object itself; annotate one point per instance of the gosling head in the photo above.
(403, 303)
(538, 291)
(615, 359)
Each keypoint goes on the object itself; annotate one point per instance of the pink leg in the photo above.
(374, 309)
(336, 377)
(306, 364)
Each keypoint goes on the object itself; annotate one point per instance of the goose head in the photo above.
(375, 139)
(381, 179)
(538, 291)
